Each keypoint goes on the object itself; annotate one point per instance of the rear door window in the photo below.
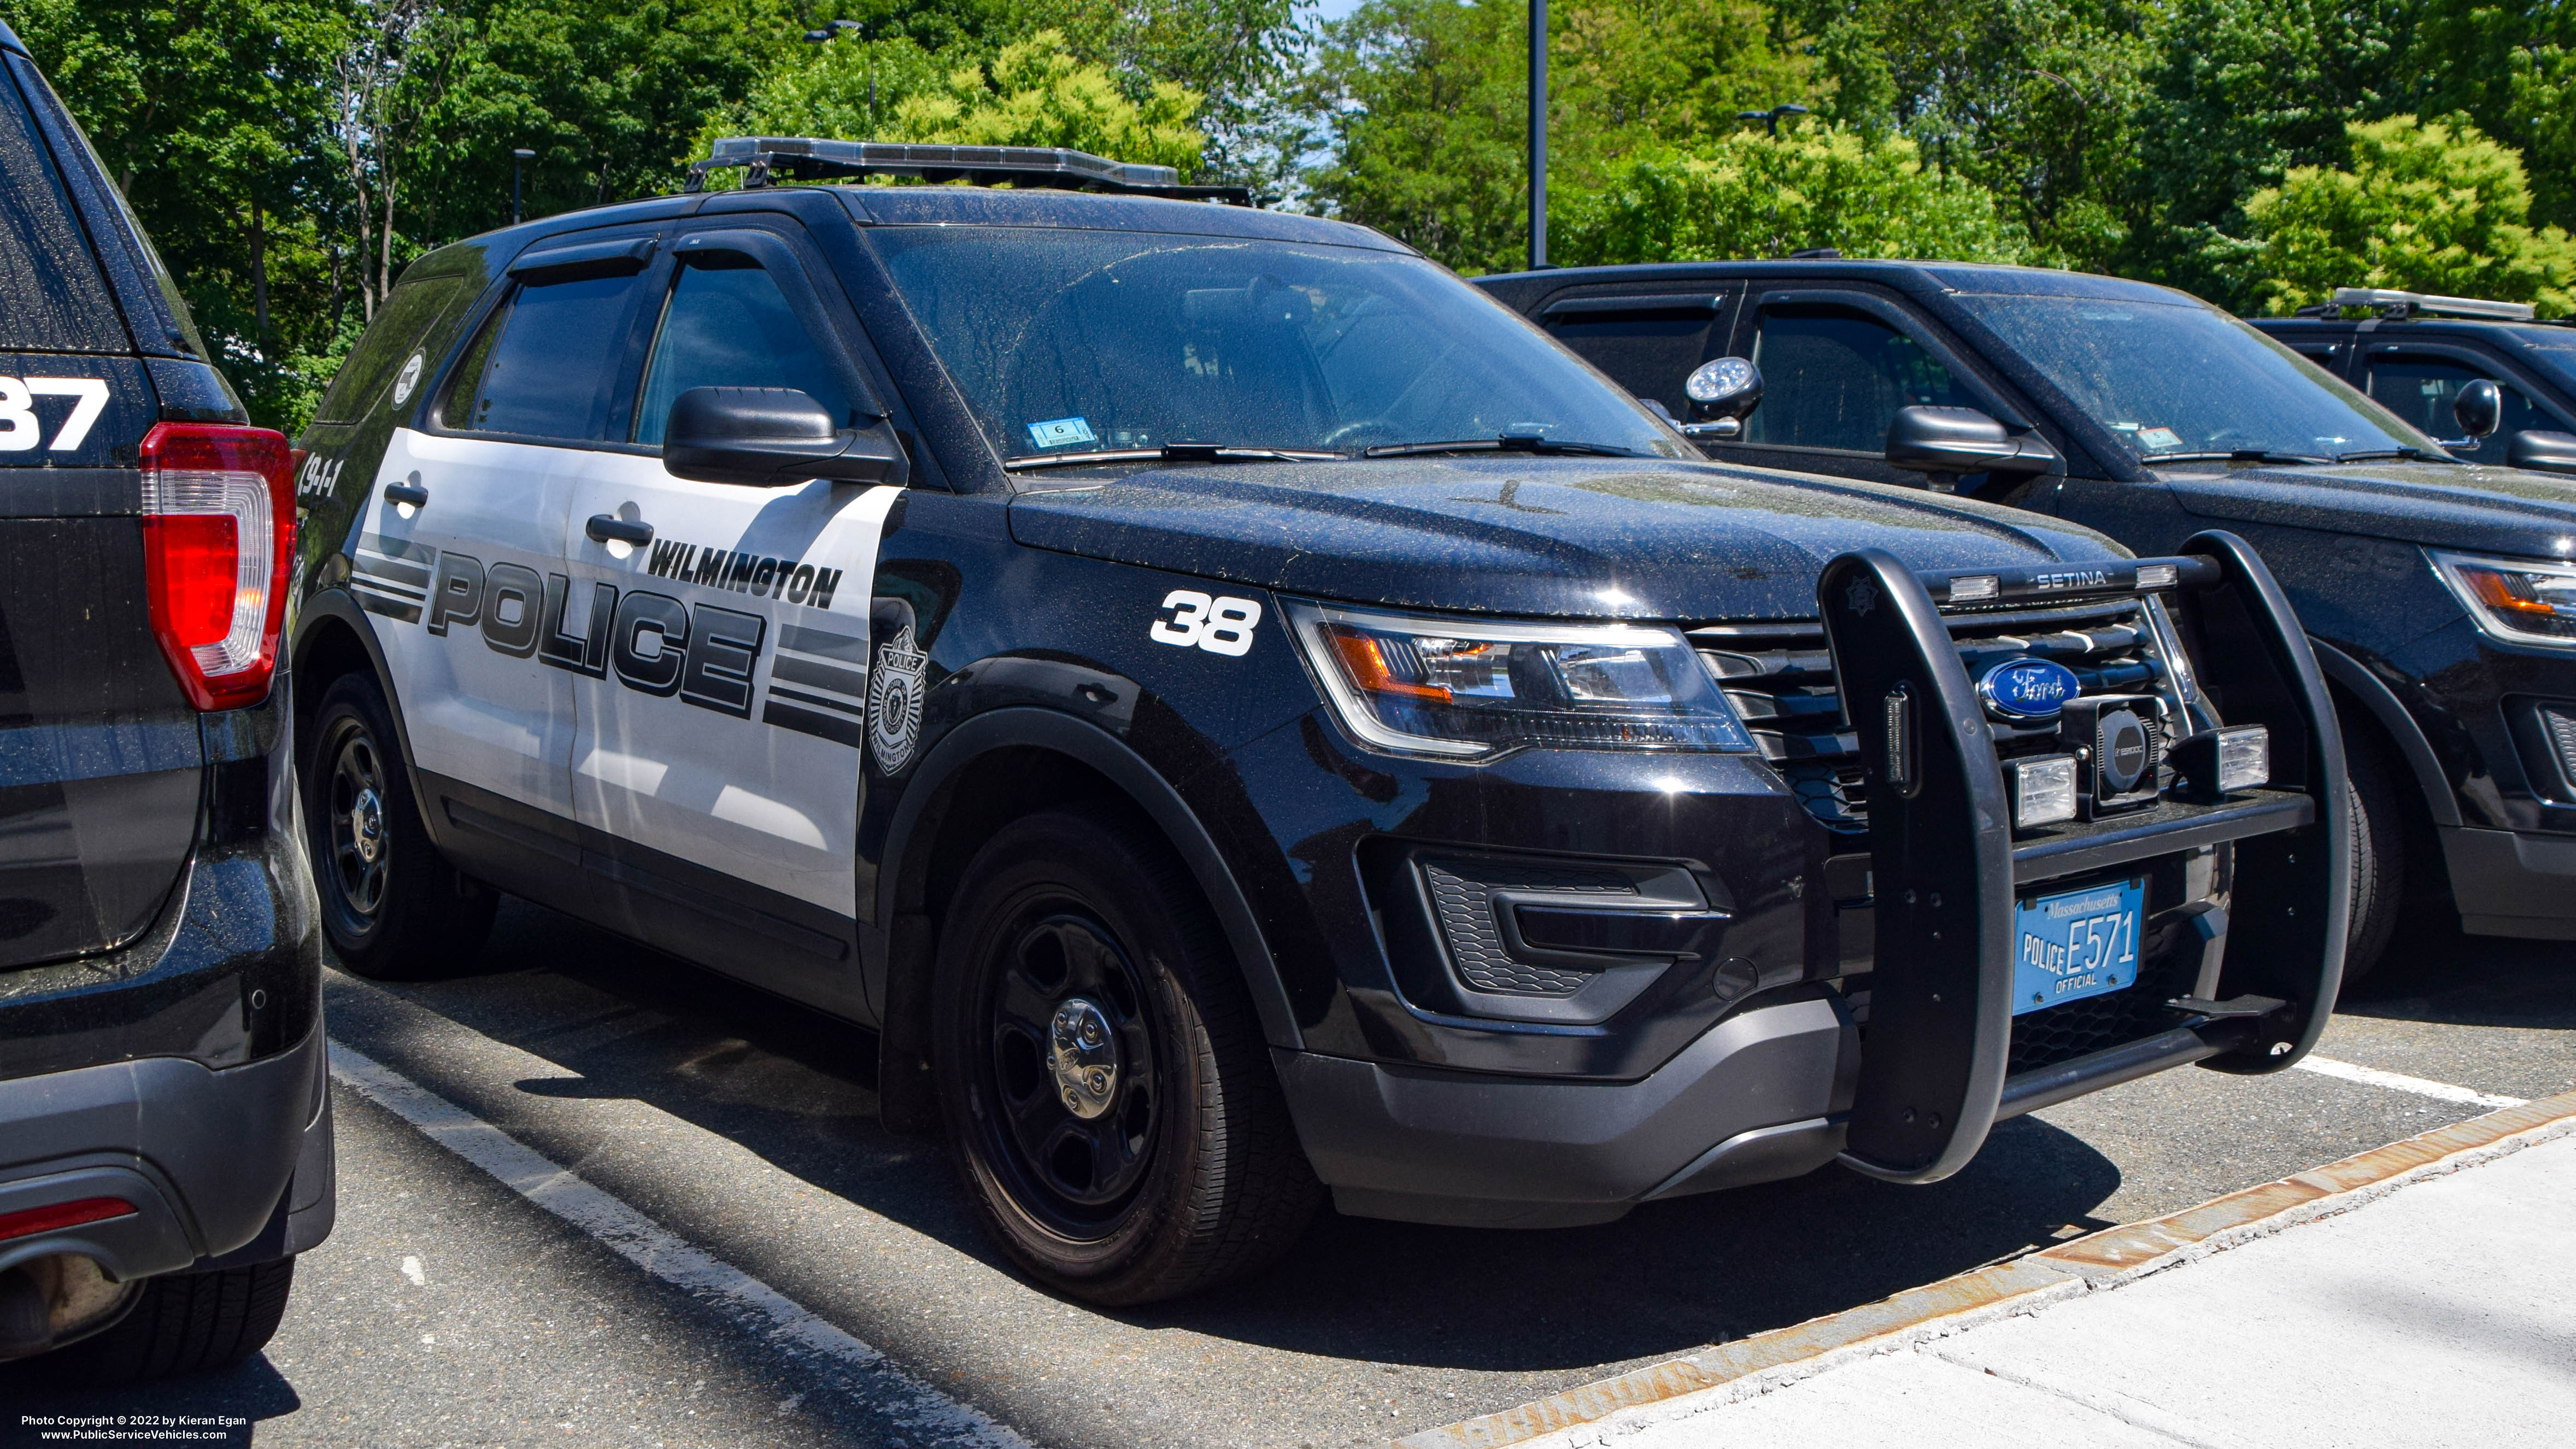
(543, 365)
(52, 298)
(1648, 344)
(1834, 378)
(2421, 387)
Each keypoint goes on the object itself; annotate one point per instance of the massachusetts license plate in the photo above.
(2078, 944)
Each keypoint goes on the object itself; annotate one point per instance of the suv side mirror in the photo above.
(2543, 452)
(771, 437)
(1723, 392)
(1946, 442)
(2479, 409)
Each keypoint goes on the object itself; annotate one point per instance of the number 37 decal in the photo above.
(1219, 626)
(19, 429)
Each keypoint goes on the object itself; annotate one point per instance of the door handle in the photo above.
(609, 528)
(411, 493)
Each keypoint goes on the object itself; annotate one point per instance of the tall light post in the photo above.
(519, 160)
(1537, 134)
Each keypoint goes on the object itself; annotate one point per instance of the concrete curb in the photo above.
(1599, 1413)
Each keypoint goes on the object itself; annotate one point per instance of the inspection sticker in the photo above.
(1061, 432)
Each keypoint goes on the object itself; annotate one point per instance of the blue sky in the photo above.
(1336, 9)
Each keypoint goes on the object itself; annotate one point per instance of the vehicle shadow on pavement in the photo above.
(791, 1086)
(2512, 983)
(250, 1391)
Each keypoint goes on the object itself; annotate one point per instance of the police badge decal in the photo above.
(894, 701)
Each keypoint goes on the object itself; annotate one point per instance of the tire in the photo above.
(1174, 1169)
(392, 906)
(2378, 855)
(184, 1323)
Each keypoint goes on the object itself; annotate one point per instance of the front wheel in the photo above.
(1103, 1078)
(392, 906)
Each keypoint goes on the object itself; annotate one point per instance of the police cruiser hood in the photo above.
(1565, 536)
(2443, 505)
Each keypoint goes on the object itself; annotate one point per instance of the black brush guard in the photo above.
(1946, 868)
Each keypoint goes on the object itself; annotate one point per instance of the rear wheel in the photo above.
(184, 1323)
(1105, 1084)
(395, 910)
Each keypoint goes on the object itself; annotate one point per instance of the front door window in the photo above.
(1834, 378)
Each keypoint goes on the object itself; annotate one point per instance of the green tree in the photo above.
(2511, 68)
(1032, 92)
(2429, 206)
(1424, 106)
(1748, 195)
(2034, 100)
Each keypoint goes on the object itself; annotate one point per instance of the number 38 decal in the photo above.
(1219, 626)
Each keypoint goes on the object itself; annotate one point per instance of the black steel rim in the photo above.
(1075, 1175)
(360, 846)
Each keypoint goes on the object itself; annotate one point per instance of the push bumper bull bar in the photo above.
(1933, 1078)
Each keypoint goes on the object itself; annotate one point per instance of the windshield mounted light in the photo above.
(2043, 790)
(1476, 689)
(2520, 601)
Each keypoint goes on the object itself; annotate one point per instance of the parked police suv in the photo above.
(165, 1139)
(1241, 713)
(2440, 597)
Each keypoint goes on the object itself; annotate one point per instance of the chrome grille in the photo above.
(1781, 680)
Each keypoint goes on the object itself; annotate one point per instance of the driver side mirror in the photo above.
(2542, 452)
(1947, 442)
(771, 437)
(2479, 409)
(1723, 392)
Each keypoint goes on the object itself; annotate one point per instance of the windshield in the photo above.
(1086, 341)
(2175, 380)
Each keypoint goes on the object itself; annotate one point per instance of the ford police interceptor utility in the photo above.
(1242, 714)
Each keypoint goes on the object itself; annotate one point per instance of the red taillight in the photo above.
(218, 536)
(30, 1221)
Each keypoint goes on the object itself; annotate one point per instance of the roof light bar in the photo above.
(2432, 305)
(807, 158)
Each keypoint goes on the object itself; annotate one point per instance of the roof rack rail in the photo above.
(2408, 304)
(805, 158)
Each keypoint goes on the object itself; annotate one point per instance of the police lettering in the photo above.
(657, 644)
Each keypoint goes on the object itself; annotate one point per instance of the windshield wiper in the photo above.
(2416, 455)
(1173, 453)
(1508, 443)
(2242, 455)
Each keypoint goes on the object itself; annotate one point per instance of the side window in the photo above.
(407, 317)
(1834, 379)
(57, 299)
(1647, 349)
(2421, 389)
(727, 324)
(541, 367)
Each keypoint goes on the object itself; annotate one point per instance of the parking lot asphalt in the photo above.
(449, 1309)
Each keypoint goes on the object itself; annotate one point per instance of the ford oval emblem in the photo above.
(2023, 689)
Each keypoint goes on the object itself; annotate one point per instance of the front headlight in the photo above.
(1463, 688)
(2520, 600)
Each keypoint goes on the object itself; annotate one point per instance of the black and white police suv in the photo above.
(1241, 713)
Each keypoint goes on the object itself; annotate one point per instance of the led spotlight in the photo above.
(2043, 790)
(2214, 762)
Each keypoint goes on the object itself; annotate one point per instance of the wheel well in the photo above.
(2427, 874)
(974, 803)
(329, 650)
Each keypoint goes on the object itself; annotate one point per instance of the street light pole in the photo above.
(1537, 134)
(519, 160)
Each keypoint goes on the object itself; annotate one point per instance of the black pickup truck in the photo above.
(2439, 595)
(165, 1133)
(1242, 715)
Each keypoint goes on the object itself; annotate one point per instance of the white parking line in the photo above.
(750, 1303)
(2399, 1082)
